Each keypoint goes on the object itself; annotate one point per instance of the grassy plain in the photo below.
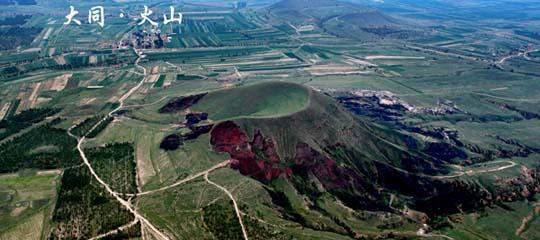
(27, 200)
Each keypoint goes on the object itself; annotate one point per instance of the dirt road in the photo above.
(185, 180)
(114, 194)
(238, 213)
(474, 172)
(519, 54)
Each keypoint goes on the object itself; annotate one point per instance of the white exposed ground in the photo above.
(4, 110)
(386, 57)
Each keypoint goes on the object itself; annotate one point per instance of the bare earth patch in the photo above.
(155, 70)
(33, 97)
(152, 78)
(60, 82)
(3, 110)
(145, 170)
(32, 50)
(60, 60)
(87, 101)
(386, 57)
(93, 59)
(354, 61)
(526, 220)
(48, 33)
(334, 69)
(18, 210)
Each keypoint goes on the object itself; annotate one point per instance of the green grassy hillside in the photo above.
(271, 99)
(326, 152)
(309, 148)
(291, 114)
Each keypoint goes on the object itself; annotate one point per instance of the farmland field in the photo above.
(27, 200)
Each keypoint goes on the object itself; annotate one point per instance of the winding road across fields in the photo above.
(511, 164)
(116, 195)
(524, 54)
(185, 180)
(236, 209)
(127, 204)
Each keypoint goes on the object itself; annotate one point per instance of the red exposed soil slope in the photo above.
(322, 167)
(257, 158)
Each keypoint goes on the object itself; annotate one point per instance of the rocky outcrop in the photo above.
(523, 186)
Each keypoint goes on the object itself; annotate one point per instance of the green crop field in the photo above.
(26, 198)
(535, 54)
(471, 225)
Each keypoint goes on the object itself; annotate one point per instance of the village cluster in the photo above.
(96, 15)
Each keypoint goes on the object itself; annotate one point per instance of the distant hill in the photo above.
(343, 19)
(299, 4)
(371, 25)
(370, 19)
(315, 10)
